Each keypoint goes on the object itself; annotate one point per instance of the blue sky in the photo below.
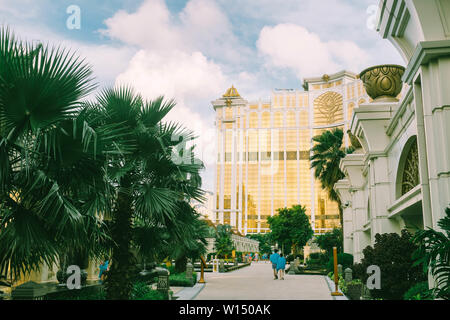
(193, 50)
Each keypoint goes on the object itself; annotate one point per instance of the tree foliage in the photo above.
(265, 241)
(291, 227)
(223, 244)
(83, 179)
(327, 154)
(51, 154)
(329, 240)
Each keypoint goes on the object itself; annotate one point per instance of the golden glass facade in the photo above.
(263, 151)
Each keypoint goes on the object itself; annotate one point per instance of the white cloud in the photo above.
(150, 27)
(178, 58)
(293, 46)
(191, 79)
(200, 26)
(180, 74)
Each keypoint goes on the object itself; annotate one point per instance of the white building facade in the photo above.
(400, 176)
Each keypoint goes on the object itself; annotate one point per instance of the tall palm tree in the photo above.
(327, 154)
(149, 182)
(51, 179)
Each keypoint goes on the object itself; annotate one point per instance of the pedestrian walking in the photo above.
(274, 259)
(104, 267)
(281, 265)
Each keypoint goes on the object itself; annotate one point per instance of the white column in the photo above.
(222, 171)
(241, 161)
(233, 173)
(259, 168)
(380, 198)
(436, 115)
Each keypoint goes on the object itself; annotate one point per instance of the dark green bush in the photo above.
(393, 254)
(419, 291)
(344, 259)
(179, 280)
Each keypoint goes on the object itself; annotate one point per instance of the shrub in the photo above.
(139, 290)
(344, 259)
(358, 271)
(179, 280)
(419, 291)
(393, 254)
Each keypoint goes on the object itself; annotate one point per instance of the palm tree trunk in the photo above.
(119, 277)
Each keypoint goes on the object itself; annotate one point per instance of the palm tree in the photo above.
(149, 182)
(187, 237)
(327, 154)
(434, 254)
(51, 179)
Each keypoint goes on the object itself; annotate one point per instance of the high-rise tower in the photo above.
(263, 151)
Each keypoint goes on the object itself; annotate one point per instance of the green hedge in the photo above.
(179, 280)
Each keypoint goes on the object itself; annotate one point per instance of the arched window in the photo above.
(408, 174)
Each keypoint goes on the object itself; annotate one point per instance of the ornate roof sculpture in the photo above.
(232, 93)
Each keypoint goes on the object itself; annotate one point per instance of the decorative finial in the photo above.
(232, 93)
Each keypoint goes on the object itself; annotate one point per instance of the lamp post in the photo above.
(202, 272)
(336, 276)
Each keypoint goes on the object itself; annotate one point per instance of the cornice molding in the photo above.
(425, 51)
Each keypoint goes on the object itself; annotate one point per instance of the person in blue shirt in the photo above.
(104, 266)
(281, 265)
(274, 259)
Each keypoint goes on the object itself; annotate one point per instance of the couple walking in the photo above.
(278, 264)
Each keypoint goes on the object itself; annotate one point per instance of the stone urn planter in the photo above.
(383, 82)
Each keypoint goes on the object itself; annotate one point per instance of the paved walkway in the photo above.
(256, 283)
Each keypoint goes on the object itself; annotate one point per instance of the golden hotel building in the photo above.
(263, 151)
